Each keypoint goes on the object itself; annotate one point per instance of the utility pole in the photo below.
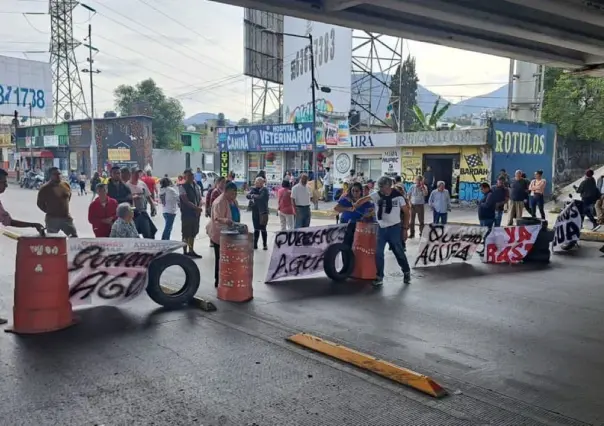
(91, 72)
(315, 169)
(31, 140)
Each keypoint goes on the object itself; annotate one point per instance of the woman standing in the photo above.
(350, 214)
(168, 196)
(225, 212)
(537, 190)
(82, 183)
(259, 196)
(286, 207)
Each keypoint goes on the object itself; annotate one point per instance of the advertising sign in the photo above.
(391, 162)
(5, 135)
(281, 137)
(522, 145)
(332, 48)
(25, 83)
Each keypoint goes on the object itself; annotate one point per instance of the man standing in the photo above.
(7, 220)
(389, 206)
(518, 193)
(440, 201)
(505, 178)
(190, 212)
(502, 197)
(53, 199)
(487, 206)
(140, 197)
(301, 201)
(326, 184)
(149, 180)
(417, 197)
(199, 178)
(101, 212)
(211, 196)
(117, 189)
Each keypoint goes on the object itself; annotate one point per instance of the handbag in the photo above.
(263, 219)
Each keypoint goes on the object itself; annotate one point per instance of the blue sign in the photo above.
(259, 138)
(22, 96)
(522, 145)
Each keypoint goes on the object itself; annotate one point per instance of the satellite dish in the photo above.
(67, 116)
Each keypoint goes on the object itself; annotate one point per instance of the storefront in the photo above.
(272, 148)
(460, 158)
(369, 155)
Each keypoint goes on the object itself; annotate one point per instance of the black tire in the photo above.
(186, 294)
(329, 262)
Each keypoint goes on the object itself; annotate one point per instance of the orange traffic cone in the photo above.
(363, 247)
(236, 267)
(41, 298)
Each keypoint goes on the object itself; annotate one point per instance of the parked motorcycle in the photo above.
(32, 180)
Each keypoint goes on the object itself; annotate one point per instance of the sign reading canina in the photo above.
(281, 137)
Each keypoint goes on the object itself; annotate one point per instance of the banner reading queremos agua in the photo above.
(510, 244)
(567, 229)
(300, 252)
(111, 271)
(440, 244)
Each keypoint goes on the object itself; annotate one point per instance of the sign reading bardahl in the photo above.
(510, 244)
(440, 244)
(111, 271)
(300, 252)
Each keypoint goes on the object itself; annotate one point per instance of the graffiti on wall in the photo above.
(573, 157)
(411, 166)
(475, 165)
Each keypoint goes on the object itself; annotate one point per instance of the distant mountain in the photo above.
(367, 92)
(202, 118)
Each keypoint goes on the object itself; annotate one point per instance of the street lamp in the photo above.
(313, 86)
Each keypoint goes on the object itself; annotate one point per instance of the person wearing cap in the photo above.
(124, 226)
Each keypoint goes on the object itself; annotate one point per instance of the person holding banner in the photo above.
(349, 214)
(390, 203)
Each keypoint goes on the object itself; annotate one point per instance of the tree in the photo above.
(430, 122)
(404, 92)
(167, 113)
(575, 104)
(243, 122)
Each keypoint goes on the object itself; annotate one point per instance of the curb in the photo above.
(366, 362)
(597, 237)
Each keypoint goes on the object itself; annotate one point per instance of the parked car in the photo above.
(208, 178)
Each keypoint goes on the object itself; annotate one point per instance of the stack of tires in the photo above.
(541, 249)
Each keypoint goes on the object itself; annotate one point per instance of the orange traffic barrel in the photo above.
(41, 297)
(363, 247)
(236, 267)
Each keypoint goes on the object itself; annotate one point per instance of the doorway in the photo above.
(443, 166)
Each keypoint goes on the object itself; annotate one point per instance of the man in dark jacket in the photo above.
(588, 189)
(117, 189)
(487, 206)
(502, 196)
(518, 194)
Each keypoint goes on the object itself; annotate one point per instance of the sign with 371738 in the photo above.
(22, 97)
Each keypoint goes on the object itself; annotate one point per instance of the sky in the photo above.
(195, 52)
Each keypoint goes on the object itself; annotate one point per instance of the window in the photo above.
(186, 140)
(110, 128)
(75, 130)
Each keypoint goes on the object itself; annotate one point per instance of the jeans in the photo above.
(169, 223)
(390, 235)
(537, 201)
(439, 217)
(588, 210)
(498, 218)
(487, 222)
(302, 216)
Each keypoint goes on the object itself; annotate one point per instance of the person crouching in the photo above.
(124, 226)
(389, 204)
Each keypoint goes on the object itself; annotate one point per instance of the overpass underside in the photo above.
(559, 33)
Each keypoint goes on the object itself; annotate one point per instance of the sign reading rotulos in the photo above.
(443, 137)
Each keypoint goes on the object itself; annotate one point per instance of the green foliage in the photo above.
(407, 96)
(147, 97)
(243, 122)
(430, 122)
(575, 104)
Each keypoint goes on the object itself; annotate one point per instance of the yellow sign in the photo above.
(411, 165)
(474, 164)
(5, 135)
(118, 154)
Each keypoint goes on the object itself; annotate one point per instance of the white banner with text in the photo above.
(441, 244)
(111, 271)
(299, 253)
(567, 229)
(510, 244)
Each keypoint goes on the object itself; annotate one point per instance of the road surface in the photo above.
(513, 346)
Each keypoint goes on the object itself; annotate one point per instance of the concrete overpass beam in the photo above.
(337, 5)
(565, 9)
(484, 21)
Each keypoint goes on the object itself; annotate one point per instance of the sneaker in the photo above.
(378, 282)
(407, 278)
(195, 255)
(596, 227)
(265, 248)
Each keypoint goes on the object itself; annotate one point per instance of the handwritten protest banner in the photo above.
(567, 229)
(111, 271)
(510, 244)
(300, 252)
(441, 244)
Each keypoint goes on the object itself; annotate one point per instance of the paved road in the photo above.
(513, 345)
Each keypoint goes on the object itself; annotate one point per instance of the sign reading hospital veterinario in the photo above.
(111, 271)
(299, 253)
(25, 85)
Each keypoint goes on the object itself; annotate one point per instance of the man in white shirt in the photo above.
(301, 202)
(389, 205)
(326, 184)
(140, 197)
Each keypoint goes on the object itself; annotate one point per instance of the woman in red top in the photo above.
(101, 212)
(286, 208)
